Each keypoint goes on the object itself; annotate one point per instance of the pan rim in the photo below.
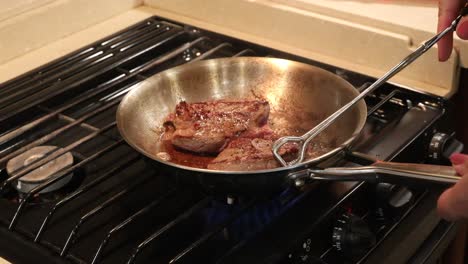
(302, 165)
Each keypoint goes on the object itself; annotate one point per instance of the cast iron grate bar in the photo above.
(172, 54)
(59, 131)
(51, 66)
(382, 102)
(197, 207)
(53, 154)
(135, 36)
(60, 175)
(211, 52)
(88, 95)
(213, 232)
(36, 75)
(76, 80)
(104, 176)
(88, 73)
(55, 79)
(244, 52)
(100, 89)
(326, 252)
(243, 242)
(71, 119)
(128, 221)
(144, 38)
(115, 198)
(73, 67)
(142, 26)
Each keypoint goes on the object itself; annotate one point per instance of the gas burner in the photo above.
(42, 174)
(251, 220)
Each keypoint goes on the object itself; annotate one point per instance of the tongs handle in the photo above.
(390, 172)
(304, 140)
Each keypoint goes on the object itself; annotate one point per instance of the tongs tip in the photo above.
(280, 143)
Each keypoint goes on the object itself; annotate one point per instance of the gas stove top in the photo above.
(101, 202)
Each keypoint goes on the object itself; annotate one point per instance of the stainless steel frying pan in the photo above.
(300, 96)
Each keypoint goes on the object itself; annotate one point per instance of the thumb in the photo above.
(453, 203)
(446, 205)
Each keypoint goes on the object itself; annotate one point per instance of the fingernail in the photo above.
(463, 30)
(441, 57)
(444, 48)
(458, 158)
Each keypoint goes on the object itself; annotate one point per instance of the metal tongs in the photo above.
(305, 139)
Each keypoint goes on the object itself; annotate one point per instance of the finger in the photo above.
(453, 203)
(446, 206)
(448, 11)
(461, 169)
(462, 28)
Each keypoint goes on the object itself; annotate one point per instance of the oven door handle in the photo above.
(390, 172)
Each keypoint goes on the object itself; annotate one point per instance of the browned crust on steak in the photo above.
(207, 127)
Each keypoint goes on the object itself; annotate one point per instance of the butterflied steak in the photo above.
(252, 151)
(207, 127)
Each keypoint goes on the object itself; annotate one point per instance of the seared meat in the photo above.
(236, 132)
(252, 152)
(207, 127)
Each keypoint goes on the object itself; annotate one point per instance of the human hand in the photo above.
(453, 203)
(448, 11)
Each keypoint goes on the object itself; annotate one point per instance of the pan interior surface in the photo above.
(300, 96)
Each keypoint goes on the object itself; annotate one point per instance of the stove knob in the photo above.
(400, 198)
(352, 236)
(393, 195)
(442, 146)
(384, 190)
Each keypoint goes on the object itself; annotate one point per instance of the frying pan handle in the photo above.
(381, 171)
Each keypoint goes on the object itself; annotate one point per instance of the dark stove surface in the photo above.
(117, 209)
